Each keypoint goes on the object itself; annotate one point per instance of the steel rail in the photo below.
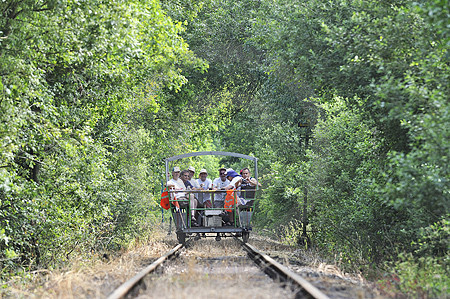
(282, 272)
(126, 287)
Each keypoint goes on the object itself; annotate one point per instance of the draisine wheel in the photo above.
(181, 237)
(245, 236)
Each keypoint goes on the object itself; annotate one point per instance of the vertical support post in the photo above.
(166, 164)
(167, 170)
(304, 238)
(256, 171)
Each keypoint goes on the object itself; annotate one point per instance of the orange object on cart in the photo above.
(230, 200)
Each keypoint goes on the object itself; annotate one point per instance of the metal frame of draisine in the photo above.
(242, 225)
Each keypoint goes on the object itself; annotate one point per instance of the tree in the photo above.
(74, 73)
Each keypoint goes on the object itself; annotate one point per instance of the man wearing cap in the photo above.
(205, 184)
(193, 181)
(176, 179)
(179, 186)
(219, 184)
(177, 182)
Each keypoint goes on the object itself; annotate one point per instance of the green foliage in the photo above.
(382, 90)
(426, 117)
(422, 277)
(85, 121)
(282, 197)
(343, 165)
(377, 171)
(351, 48)
(94, 95)
(433, 240)
(219, 34)
(424, 272)
(291, 232)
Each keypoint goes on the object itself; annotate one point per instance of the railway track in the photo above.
(127, 287)
(279, 273)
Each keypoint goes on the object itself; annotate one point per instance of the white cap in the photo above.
(191, 168)
(171, 183)
(176, 169)
(203, 171)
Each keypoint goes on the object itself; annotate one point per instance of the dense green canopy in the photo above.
(344, 102)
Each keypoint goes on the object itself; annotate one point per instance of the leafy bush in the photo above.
(425, 272)
(280, 202)
(81, 137)
(343, 167)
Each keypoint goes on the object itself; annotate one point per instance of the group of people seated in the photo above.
(228, 179)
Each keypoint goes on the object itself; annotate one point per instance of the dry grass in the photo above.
(95, 277)
(201, 273)
(309, 263)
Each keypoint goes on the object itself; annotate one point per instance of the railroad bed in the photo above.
(210, 269)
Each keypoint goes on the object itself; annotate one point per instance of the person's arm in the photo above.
(238, 182)
(196, 185)
(252, 182)
(229, 187)
(188, 185)
(235, 183)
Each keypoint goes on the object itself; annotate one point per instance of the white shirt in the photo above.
(235, 180)
(179, 185)
(207, 184)
(194, 183)
(219, 184)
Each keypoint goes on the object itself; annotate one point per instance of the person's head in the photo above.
(223, 174)
(191, 171)
(203, 174)
(176, 172)
(184, 175)
(231, 174)
(245, 172)
(171, 186)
